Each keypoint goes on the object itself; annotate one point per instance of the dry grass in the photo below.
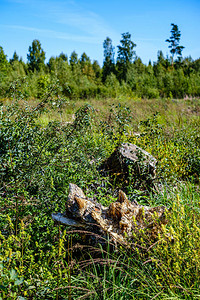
(174, 112)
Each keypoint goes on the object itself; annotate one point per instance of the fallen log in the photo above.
(119, 222)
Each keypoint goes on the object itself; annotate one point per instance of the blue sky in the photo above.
(83, 25)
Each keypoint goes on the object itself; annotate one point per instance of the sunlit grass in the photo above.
(36, 259)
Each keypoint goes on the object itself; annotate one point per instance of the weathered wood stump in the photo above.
(118, 222)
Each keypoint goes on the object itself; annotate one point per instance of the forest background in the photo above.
(171, 77)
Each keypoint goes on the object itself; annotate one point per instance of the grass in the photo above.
(172, 112)
(175, 112)
(41, 154)
(163, 270)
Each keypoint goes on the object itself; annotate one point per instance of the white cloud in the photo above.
(85, 21)
(57, 34)
(72, 15)
(71, 20)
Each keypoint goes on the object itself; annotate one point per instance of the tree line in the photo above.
(171, 76)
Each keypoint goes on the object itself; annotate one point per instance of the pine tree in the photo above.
(14, 58)
(108, 64)
(36, 56)
(125, 55)
(73, 60)
(174, 42)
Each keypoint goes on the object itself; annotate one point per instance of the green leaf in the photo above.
(31, 287)
(19, 281)
(13, 274)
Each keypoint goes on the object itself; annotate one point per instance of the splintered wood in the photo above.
(119, 222)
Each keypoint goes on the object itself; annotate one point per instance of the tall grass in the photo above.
(41, 154)
(164, 270)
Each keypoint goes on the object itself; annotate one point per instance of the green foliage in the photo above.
(125, 55)
(174, 41)
(3, 63)
(42, 85)
(18, 70)
(36, 56)
(4, 71)
(73, 60)
(108, 64)
(81, 78)
(177, 151)
(29, 271)
(113, 85)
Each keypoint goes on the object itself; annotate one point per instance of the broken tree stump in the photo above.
(119, 222)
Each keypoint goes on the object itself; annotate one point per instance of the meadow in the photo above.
(50, 142)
